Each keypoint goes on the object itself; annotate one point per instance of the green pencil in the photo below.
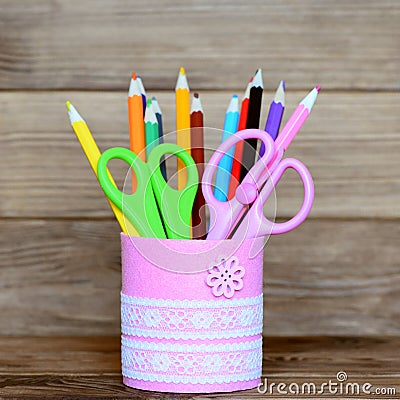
(151, 128)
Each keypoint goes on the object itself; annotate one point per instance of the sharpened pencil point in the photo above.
(134, 76)
(233, 104)
(318, 88)
(283, 85)
(141, 87)
(74, 116)
(258, 81)
(156, 106)
(150, 115)
(196, 104)
(182, 83)
(309, 100)
(280, 93)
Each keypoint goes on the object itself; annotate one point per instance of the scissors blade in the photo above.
(175, 205)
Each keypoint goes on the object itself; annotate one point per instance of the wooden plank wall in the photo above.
(337, 274)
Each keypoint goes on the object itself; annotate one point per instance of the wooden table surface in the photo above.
(89, 367)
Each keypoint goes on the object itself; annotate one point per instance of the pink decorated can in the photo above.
(191, 314)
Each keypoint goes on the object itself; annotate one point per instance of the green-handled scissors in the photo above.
(154, 202)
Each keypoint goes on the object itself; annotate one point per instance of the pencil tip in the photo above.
(196, 95)
(154, 98)
(181, 82)
(68, 104)
(318, 88)
(134, 76)
(149, 102)
(280, 93)
(233, 104)
(258, 81)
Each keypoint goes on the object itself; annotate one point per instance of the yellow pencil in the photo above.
(93, 154)
(182, 94)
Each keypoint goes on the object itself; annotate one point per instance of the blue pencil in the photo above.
(223, 177)
(143, 93)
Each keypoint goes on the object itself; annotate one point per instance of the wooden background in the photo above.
(337, 274)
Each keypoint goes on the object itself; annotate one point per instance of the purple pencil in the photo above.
(275, 114)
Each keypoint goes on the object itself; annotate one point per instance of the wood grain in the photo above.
(350, 143)
(89, 367)
(90, 44)
(62, 277)
(59, 253)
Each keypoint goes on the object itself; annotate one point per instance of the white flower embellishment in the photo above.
(225, 277)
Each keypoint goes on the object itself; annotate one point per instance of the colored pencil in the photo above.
(151, 128)
(237, 158)
(158, 113)
(136, 123)
(253, 121)
(182, 94)
(93, 154)
(294, 124)
(143, 93)
(275, 115)
(297, 120)
(225, 165)
(199, 222)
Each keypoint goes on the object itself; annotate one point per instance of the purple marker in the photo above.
(275, 114)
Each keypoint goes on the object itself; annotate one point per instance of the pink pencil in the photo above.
(292, 127)
(296, 120)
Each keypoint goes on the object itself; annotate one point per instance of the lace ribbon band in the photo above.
(191, 319)
(191, 363)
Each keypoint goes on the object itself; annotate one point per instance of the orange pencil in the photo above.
(136, 122)
(237, 158)
(137, 141)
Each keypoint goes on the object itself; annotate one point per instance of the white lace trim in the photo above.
(191, 319)
(210, 380)
(151, 302)
(191, 363)
(190, 348)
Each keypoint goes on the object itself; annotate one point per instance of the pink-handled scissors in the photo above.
(253, 192)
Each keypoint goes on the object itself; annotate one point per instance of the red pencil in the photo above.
(237, 160)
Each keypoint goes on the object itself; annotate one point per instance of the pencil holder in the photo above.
(191, 314)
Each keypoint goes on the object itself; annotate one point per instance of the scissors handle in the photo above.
(139, 208)
(175, 205)
(255, 223)
(224, 214)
